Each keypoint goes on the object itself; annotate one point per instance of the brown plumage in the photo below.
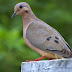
(41, 37)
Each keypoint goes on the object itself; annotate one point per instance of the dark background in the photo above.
(13, 50)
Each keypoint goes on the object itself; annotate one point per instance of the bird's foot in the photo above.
(30, 60)
(50, 59)
(40, 58)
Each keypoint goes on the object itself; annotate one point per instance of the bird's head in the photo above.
(21, 8)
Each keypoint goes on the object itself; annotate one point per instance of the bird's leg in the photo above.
(40, 58)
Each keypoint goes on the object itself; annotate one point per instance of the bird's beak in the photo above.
(14, 14)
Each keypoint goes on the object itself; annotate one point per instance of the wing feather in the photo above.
(46, 38)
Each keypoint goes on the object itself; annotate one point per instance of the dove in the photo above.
(40, 36)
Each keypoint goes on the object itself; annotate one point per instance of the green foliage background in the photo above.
(13, 50)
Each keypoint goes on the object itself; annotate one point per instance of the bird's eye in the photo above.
(26, 11)
(20, 6)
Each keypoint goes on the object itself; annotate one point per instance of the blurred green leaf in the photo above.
(13, 50)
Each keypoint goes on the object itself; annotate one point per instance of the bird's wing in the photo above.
(64, 40)
(46, 38)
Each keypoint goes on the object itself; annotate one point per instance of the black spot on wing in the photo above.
(48, 38)
(56, 41)
(56, 37)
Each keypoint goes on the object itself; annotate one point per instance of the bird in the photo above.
(40, 36)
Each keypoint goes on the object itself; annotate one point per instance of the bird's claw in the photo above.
(36, 59)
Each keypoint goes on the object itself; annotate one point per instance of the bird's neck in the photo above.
(27, 19)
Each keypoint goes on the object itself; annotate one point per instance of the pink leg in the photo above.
(40, 58)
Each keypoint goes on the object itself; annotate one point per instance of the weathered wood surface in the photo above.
(58, 65)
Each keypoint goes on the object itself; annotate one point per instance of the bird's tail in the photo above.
(67, 54)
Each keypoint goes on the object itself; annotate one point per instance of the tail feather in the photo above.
(67, 54)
